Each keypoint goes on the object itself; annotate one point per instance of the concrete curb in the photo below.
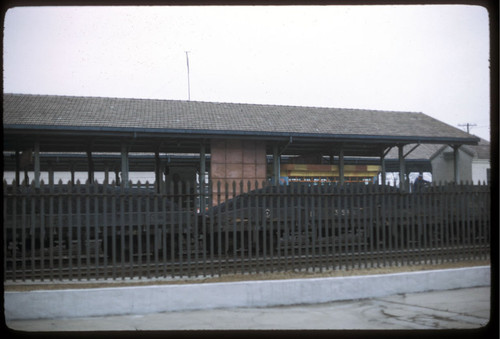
(161, 298)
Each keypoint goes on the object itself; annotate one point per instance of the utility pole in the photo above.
(189, 85)
(468, 126)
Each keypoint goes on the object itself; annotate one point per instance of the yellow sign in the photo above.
(299, 170)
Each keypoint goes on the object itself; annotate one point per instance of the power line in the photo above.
(468, 126)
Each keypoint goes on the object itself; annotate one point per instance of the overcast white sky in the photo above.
(429, 59)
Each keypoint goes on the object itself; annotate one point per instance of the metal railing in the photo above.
(100, 231)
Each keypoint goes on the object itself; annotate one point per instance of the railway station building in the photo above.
(219, 142)
(114, 228)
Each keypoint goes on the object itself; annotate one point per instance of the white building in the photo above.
(473, 161)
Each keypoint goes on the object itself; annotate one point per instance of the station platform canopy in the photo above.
(98, 124)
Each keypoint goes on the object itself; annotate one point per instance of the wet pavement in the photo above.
(451, 309)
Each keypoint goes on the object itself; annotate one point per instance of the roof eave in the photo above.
(206, 133)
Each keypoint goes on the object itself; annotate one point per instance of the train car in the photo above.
(291, 216)
(93, 220)
(306, 216)
(116, 224)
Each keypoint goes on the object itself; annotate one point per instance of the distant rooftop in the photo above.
(427, 151)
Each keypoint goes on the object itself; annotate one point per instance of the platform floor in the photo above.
(451, 309)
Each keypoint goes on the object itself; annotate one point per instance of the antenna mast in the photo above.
(189, 84)
(468, 125)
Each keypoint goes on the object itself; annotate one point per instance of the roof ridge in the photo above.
(216, 103)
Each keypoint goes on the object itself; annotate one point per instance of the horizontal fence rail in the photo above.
(101, 231)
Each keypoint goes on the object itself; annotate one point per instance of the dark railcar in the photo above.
(95, 219)
(295, 215)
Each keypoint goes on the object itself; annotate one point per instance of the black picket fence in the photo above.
(101, 231)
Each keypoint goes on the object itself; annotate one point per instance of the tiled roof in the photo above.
(96, 112)
(481, 150)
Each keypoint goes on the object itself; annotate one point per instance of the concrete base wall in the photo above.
(162, 298)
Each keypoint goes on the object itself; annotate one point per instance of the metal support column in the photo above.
(456, 172)
(26, 177)
(18, 168)
(51, 174)
(382, 165)
(124, 167)
(402, 170)
(37, 164)
(407, 180)
(276, 165)
(117, 177)
(72, 169)
(106, 173)
(158, 181)
(202, 177)
(341, 167)
(90, 167)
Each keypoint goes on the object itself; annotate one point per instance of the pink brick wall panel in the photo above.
(249, 152)
(234, 171)
(249, 171)
(218, 171)
(260, 152)
(234, 152)
(218, 152)
(239, 161)
(260, 171)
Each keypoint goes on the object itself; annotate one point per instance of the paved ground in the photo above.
(453, 309)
